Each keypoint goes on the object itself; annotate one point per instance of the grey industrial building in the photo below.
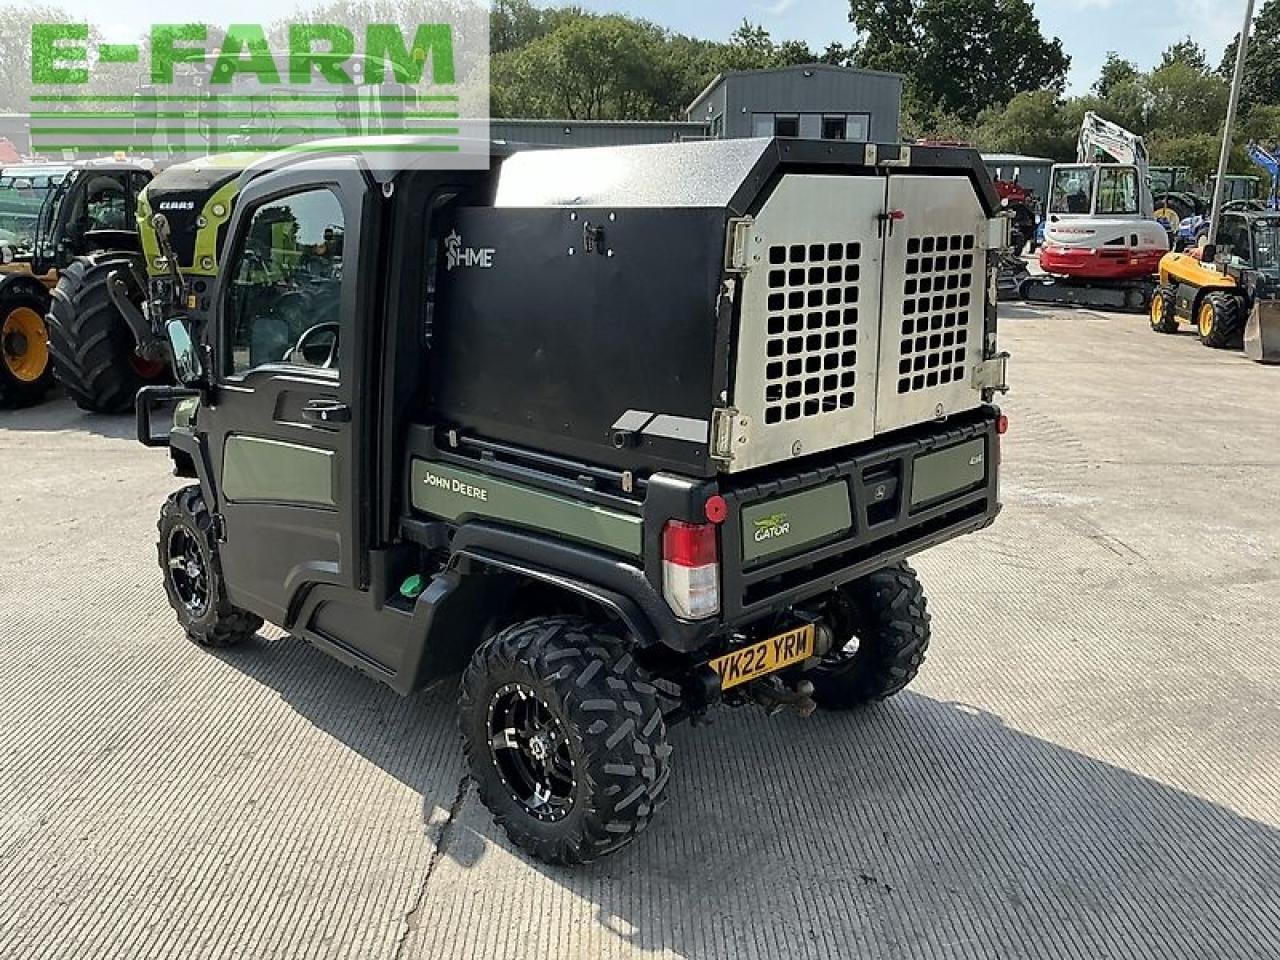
(812, 101)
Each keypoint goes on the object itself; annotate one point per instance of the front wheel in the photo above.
(564, 737)
(1220, 320)
(882, 624)
(193, 576)
(1162, 304)
(26, 374)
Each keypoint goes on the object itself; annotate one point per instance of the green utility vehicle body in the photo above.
(687, 400)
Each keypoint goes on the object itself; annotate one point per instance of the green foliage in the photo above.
(1115, 71)
(963, 55)
(565, 62)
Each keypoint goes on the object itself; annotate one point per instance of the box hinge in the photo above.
(998, 232)
(736, 254)
(722, 424)
(992, 374)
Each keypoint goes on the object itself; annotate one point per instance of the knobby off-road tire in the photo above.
(26, 372)
(598, 721)
(193, 581)
(883, 633)
(94, 355)
(1162, 304)
(1220, 320)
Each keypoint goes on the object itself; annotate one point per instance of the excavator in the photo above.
(1102, 243)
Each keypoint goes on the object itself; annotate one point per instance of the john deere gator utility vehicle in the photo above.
(1234, 298)
(619, 433)
(63, 229)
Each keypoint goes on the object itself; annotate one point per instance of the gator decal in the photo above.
(778, 527)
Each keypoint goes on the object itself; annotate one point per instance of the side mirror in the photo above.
(159, 409)
(186, 358)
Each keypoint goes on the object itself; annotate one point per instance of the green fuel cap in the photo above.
(413, 586)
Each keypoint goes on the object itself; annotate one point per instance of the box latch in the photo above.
(735, 248)
(992, 374)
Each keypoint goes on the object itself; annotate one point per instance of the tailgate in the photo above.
(800, 535)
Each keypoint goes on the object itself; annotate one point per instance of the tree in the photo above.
(1036, 123)
(1115, 71)
(1262, 68)
(964, 54)
(1184, 95)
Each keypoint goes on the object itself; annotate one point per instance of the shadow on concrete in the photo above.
(58, 414)
(914, 828)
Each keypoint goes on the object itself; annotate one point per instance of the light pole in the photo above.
(1242, 54)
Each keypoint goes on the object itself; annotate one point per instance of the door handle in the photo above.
(326, 411)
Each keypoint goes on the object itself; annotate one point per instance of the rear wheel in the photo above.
(564, 737)
(1162, 304)
(25, 371)
(193, 577)
(882, 624)
(1220, 320)
(95, 356)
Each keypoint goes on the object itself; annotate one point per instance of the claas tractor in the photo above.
(1229, 292)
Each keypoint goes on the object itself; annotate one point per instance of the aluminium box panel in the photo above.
(934, 301)
(551, 346)
(809, 324)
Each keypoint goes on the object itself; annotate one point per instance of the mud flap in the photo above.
(1262, 332)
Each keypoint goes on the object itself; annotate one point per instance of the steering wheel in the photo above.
(304, 349)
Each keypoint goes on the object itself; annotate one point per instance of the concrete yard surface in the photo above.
(1087, 767)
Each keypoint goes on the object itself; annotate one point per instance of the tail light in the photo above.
(691, 569)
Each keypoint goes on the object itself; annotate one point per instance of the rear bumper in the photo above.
(886, 525)
(1100, 263)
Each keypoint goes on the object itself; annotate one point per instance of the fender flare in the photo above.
(12, 284)
(609, 581)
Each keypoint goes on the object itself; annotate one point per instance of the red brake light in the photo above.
(1002, 424)
(689, 544)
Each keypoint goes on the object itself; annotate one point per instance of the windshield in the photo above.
(1266, 245)
(21, 197)
(1072, 190)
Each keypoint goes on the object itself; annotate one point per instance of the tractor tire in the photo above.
(94, 356)
(564, 737)
(1220, 319)
(26, 373)
(883, 621)
(188, 553)
(1163, 302)
(1171, 210)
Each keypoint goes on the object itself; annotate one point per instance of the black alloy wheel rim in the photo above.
(187, 571)
(531, 752)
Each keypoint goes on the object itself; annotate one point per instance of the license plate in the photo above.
(767, 656)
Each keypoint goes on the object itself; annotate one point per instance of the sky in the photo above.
(1137, 29)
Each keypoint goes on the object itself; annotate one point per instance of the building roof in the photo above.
(1014, 158)
(806, 69)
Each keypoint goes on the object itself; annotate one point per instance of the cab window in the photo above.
(1072, 190)
(1117, 190)
(286, 285)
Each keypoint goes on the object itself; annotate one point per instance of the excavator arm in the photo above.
(1269, 162)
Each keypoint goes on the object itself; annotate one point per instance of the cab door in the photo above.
(283, 422)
